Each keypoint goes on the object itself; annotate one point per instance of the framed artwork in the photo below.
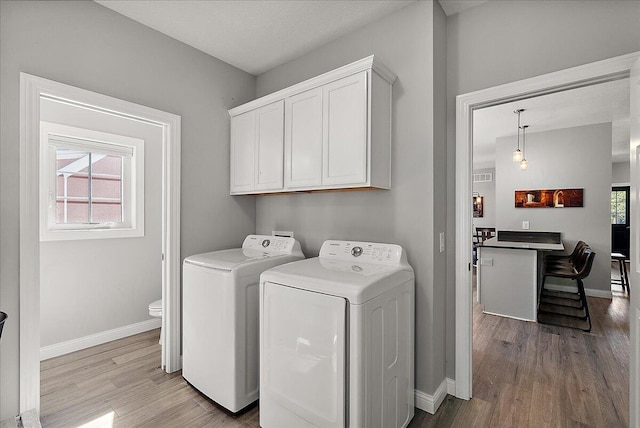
(478, 206)
(549, 198)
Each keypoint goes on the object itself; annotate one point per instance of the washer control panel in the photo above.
(362, 252)
(268, 243)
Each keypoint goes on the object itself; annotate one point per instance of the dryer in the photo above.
(337, 339)
(220, 317)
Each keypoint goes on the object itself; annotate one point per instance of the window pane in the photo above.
(72, 186)
(106, 189)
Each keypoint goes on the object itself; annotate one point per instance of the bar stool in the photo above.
(622, 265)
(576, 303)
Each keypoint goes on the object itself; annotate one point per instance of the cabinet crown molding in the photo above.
(368, 63)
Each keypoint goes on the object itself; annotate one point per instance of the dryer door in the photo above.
(302, 358)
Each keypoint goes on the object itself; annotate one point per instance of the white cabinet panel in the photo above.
(269, 140)
(243, 135)
(345, 130)
(303, 139)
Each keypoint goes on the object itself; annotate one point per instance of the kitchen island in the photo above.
(508, 273)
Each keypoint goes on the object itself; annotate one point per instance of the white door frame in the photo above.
(32, 88)
(584, 75)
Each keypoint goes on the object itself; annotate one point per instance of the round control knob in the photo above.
(266, 243)
(356, 251)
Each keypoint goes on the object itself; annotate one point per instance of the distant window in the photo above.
(619, 207)
(91, 184)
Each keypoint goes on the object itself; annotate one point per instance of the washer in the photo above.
(337, 339)
(220, 317)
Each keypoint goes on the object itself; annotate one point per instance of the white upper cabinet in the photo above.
(257, 138)
(303, 139)
(344, 137)
(329, 132)
(269, 143)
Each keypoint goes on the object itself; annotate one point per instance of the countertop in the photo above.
(494, 243)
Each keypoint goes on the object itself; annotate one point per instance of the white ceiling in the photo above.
(255, 36)
(605, 102)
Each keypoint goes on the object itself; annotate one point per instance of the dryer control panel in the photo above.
(269, 244)
(363, 252)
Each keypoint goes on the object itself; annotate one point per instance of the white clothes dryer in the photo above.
(337, 339)
(220, 317)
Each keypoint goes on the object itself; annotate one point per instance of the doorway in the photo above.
(33, 91)
(599, 72)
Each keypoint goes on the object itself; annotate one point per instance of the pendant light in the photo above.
(523, 162)
(517, 155)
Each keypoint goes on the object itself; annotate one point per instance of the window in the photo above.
(619, 205)
(91, 184)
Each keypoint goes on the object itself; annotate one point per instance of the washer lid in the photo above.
(229, 259)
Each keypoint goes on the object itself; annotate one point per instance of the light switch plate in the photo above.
(442, 242)
(525, 225)
(486, 262)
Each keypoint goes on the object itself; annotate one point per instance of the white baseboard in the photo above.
(73, 345)
(606, 294)
(430, 403)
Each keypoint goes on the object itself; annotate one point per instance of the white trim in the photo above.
(591, 292)
(431, 403)
(368, 63)
(620, 184)
(584, 75)
(32, 88)
(85, 342)
(451, 386)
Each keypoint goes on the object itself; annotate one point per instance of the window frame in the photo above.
(53, 136)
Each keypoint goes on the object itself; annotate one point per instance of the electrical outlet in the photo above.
(442, 242)
(525, 225)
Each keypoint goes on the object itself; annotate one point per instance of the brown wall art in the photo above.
(553, 198)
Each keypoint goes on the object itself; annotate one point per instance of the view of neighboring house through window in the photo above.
(91, 185)
(88, 187)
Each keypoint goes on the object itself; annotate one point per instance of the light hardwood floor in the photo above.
(525, 375)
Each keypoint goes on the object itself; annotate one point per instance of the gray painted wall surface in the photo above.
(86, 45)
(620, 173)
(589, 168)
(488, 192)
(406, 214)
(501, 42)
(89, 286)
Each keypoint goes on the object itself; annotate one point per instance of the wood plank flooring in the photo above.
(525, 375)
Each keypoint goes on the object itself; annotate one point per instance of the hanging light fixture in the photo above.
(517, 155)
(523, 162)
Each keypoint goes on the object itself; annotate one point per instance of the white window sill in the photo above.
(92, 233)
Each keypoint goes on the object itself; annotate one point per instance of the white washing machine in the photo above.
(220, 317)
(337, 339)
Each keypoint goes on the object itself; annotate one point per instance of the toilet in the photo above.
(155, 310)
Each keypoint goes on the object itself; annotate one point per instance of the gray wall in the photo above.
(555, 164)
(406, 214)
(86, 45)
(488, 192)
(504, 41)
(620, 173)
(83, 283)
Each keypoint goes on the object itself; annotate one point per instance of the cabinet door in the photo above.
(345, 130)
(243, 137)
(303, 139)
(269, 141)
